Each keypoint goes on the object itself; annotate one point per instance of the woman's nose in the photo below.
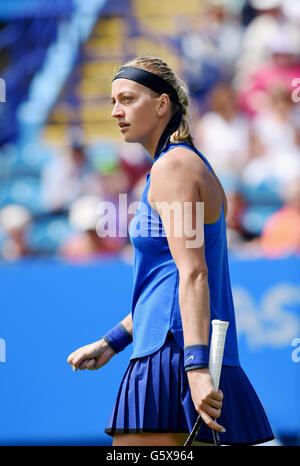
(117, 111)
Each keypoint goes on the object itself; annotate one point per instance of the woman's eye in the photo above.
(127, 98)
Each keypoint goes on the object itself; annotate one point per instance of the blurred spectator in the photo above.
(115, 182)
(256, 38)
(69, 176)
(210, 47)
(273, 127)
(134, 161)
(223, 134)
(277, 134)
(291, 11)
(86, 243)
(14, 221)
(281, 234)
(280, 70)
(236, 233)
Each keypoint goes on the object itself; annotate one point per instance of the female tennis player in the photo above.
(181, 283)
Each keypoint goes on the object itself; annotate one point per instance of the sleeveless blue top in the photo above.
(155, 303)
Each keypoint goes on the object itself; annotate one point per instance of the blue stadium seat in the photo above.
(46, 234)
(255, 217)
(263, 200)
(22, 190)
(264, 193)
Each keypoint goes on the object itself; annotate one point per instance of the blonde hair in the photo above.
(157, 66)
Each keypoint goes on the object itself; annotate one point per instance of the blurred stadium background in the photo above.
(62, 285)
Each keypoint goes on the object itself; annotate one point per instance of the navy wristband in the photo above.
(118, 338)
(196, 357)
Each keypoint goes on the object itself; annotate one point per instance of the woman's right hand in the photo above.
(207, 401)
(91, 356)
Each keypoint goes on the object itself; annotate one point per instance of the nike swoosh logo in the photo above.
(191, 357)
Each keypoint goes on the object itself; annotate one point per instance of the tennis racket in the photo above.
(219, 329)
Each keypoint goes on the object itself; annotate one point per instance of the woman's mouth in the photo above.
(123, 126)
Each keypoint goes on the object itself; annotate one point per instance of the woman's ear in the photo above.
(163, 105)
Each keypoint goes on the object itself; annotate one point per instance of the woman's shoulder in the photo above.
(181, 158)
(183, 172)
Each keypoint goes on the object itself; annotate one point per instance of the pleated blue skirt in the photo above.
(154, 396)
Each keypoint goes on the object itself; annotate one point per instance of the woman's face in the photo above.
(135, 109)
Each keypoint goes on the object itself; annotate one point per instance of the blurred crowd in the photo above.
(241, 61)
(77, 215)
(244, 74)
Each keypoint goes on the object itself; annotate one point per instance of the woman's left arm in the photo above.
(175, 195)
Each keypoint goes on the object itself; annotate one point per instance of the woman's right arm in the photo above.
(127, 322)
(97, 354)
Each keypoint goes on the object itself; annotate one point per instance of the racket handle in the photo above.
(216, 359)
(219, 329)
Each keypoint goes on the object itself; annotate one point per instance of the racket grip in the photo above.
(216, 358)
(219, 330)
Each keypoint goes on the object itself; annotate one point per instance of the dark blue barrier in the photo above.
(48, 309)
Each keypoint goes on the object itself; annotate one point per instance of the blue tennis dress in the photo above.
(154, 395)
